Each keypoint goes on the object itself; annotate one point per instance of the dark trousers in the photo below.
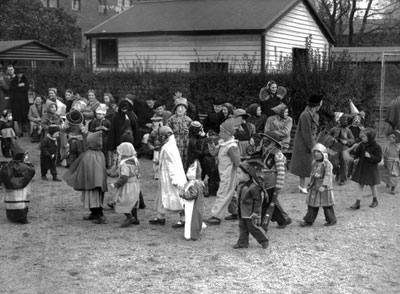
(279, 215)
(247, 226)
(48, 164)
(209, 167)
(312, 213)
(97, 211)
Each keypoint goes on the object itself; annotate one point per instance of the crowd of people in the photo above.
(238, 155)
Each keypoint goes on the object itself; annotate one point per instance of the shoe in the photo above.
(342, 183)
(90, 217)
(265, 244)
(100, 220)
(303, 190)
(127, 222)
(44, 178)
(157, 221)
(135, 221)
(213, 221)
(111, 205)
(374, 204)
(355, 206)
(393, 190)
(238, 246)
(57, 179)
(330, 224)
(178, 225)
(305, 224)
(232, 217)
(288, 222)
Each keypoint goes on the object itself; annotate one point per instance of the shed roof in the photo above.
(196, 16)
(29, 50)
(370, 54)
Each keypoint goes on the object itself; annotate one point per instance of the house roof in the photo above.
(197, 16)
(29, 50)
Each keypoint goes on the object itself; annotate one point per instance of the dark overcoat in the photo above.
(367, 172)
(304, 141)
(19, 99)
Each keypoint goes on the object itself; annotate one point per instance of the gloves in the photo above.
(256, 219)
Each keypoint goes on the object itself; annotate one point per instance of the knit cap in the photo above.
(53, 129)
(227, 127)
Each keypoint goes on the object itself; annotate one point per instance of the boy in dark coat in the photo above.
(48, 153)
(250, 199)
(369, 153)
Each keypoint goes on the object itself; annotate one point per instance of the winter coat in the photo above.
(172, 176)
(367, 172)
(250, 199)
(4, 86)
(212, 121)
(120, 124)
(393, 113)
(303, 142)
(19, 99)
(280, 126)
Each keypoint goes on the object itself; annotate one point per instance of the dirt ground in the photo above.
(58, 252)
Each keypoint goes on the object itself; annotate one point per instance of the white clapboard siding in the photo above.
(176, 52)
(291, 32)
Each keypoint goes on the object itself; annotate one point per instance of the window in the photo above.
(300, 58)
(208, 66)
(125, 3)
(51, 3)
(103, 6)
(107, 52)
(76, 5)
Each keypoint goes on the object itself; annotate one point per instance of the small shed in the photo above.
(236, 35)
(29, 50)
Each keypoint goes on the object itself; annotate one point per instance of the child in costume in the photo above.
(76, 133)
(369, 154)
(193, 202)
(391, 161)
(179, 122)
(100, 123)
(48, 153)
(320, 193)
(343, 139)
(250, 199)
(267, 149)
(228, 162)
(7, 133)
(89, 174)
(128, 187)
(16, 176)
(154, 143)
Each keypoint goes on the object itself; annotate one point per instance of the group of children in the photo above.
(250, 177)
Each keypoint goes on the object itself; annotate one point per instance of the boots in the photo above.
(356, 205)
(374, 203)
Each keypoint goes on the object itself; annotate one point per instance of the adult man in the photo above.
(172, 179)
(159, 110)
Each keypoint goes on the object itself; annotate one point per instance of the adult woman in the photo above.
(281, 124)
(304, 141)
(257, 118)
(227, 110)
(61, 107)
(19, 100)
(269, 98)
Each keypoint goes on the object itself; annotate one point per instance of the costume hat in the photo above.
(102, 108)
(240, 112)
(227, 127)
(272, 136)
(353, 108)
(53, 129)
(74, 117)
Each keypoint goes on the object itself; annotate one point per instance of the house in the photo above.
(236, 35)
(89, 13)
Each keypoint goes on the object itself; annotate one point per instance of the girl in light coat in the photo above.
(172, 179)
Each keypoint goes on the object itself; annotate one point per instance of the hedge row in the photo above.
(341, 82)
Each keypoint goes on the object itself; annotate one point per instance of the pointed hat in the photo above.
(353, 108)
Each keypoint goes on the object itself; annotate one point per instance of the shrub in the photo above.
(338, 82)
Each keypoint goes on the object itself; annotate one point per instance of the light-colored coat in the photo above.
(172, 176)
(303, 142)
